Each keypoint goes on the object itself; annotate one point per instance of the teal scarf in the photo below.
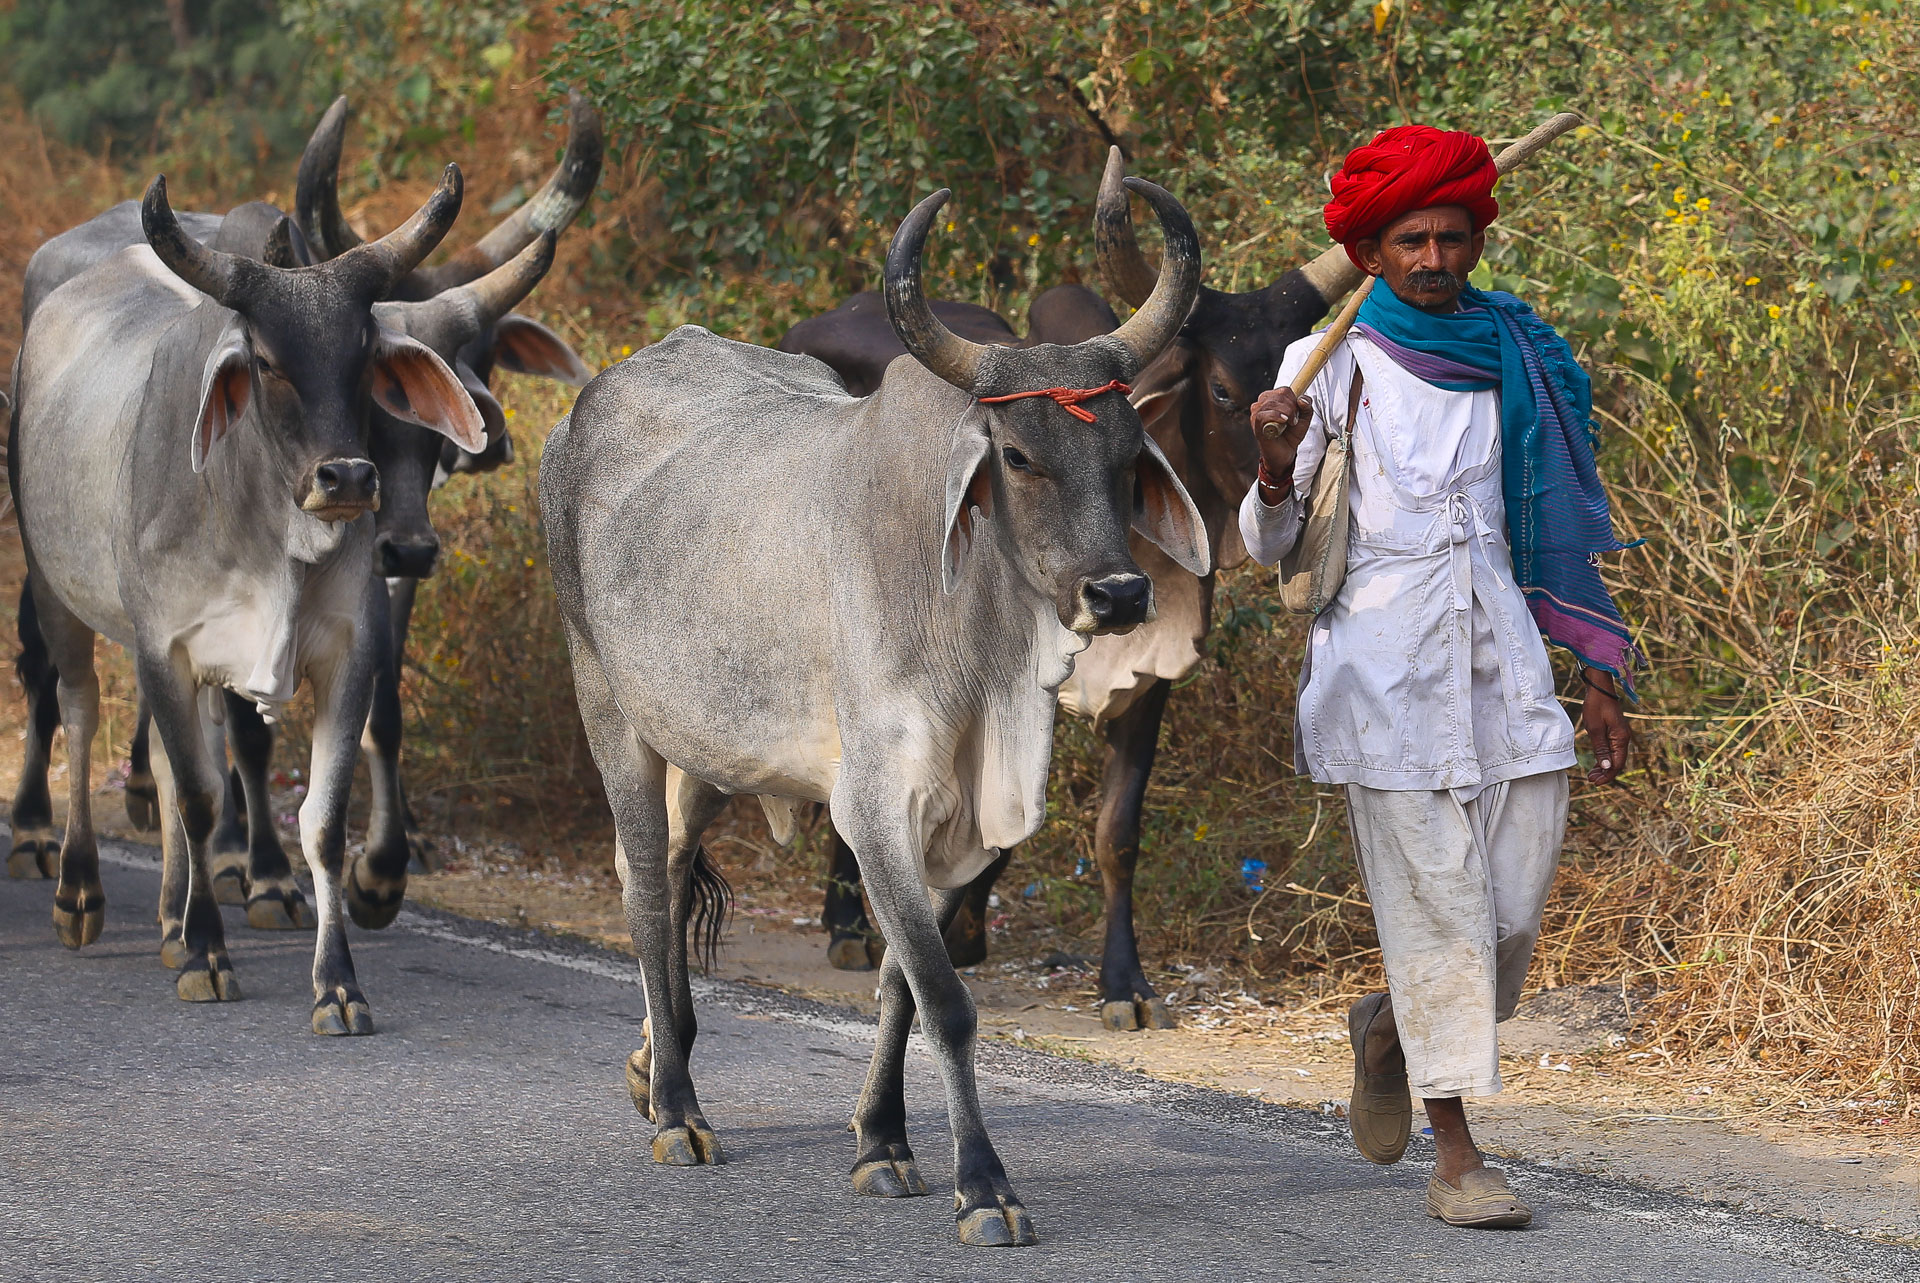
(1558, 520)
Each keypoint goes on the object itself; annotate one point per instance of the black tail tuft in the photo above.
(712, 902)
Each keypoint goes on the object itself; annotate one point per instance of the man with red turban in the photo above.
(1427, 691)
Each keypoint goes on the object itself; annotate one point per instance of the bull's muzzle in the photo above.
(342, 489)
(405, 556)
(1114, 603)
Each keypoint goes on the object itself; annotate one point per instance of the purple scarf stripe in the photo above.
(1425, 365)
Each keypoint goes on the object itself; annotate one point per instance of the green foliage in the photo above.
(105, 72)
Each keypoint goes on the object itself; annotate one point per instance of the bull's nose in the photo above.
(1117, 601)
(345, 483)
(405, 557)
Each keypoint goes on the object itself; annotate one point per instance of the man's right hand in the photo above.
(1280, 421)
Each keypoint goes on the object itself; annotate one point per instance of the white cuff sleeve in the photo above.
(1270, 532)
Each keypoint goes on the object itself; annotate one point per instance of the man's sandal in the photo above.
(1482, 1200)
(1380, 1114)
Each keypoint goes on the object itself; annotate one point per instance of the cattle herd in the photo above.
(860, 571)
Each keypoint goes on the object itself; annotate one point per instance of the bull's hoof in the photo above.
(376, 906)
(1004, 1225)
(80, 926)
(143, 801)
(173, 950)
(688, 1146)
(1121, 1017)
(278, 907)
(850, 953)
(421, 857)
(1154, 1014)
(888, 1172)
(639, 1082)
(35, 854)
(342, 1013)
(229, 876)
(1129, 1014)
(208, 979)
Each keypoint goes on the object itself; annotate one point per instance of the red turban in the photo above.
(1406, 168)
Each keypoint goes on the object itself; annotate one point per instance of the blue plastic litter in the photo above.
(1252, 872)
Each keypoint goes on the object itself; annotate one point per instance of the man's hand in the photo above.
(1280, 422)
(1606, 724)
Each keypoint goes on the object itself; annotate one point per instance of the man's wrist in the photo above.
(1273, 492)
(1599, 679)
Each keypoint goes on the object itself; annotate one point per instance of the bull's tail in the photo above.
(34, 664)
(712, 902)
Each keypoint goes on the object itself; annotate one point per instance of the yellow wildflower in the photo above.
(1886, 262)
(1679, 195)
(1865, 63)
(1703, 203)
(1751, 280)
(1905, 286)
(1033, 240)
(1773, 311)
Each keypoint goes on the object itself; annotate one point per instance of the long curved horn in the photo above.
(496, 293)
(378, 266)
(316, 192)
(1124, 268)
(557, 203)
(213, 272)
(1165, 309)
(935, 346)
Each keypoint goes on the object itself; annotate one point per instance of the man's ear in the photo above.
(969, 492)
(411, 383)
(1368, 250)
(226, 388)
(528, 347)
(1165, 513)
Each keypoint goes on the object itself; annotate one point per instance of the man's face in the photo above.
(1425, 256)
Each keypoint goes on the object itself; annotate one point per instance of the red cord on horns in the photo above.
(1069, 398)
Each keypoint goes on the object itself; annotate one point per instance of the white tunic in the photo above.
(1427, 672)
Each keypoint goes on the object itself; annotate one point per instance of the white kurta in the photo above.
(1427, 672)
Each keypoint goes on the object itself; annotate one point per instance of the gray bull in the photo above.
(1194, 399)
(771, 587)
(188, 449)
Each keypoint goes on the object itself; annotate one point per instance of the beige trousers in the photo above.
(1457, 890)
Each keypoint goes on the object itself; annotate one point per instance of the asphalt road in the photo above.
(485, 1133)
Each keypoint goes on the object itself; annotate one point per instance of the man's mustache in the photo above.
(1424, 280)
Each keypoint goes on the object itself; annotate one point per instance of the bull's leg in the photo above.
(189, 777)
(853, 944)
(400, 594)
(36, 852)
(635, 778)
(966, 934)
(342, 689)
(692, 805)
(227, 858)
(377, 882)
(883, 1164)
(143, 796)
(79, 901)
(274, 901)
(988, 1211)
(1127, 1001)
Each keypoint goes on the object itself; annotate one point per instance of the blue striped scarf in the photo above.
(1558, 521)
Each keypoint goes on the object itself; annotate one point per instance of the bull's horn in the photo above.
(1165, 309)
(557, 203)
(1122, 265)
(378, 266)
(496, 293)
(935, 346)
(1332, 274)
(316, 192)
(211, 271)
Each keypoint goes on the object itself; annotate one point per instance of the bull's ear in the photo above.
(528, 347)
(226, 387)
(1164, 512)
(969, 497)
(483, 400)
(411, 383)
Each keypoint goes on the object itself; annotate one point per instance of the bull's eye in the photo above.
(1221, 394)
(1015, 459)
(268, 368)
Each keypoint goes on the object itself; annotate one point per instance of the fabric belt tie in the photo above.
(1068, 398)
(1467, 524)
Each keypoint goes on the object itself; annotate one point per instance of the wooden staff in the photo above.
(1508, 160)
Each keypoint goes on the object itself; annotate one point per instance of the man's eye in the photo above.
(1015, 459)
